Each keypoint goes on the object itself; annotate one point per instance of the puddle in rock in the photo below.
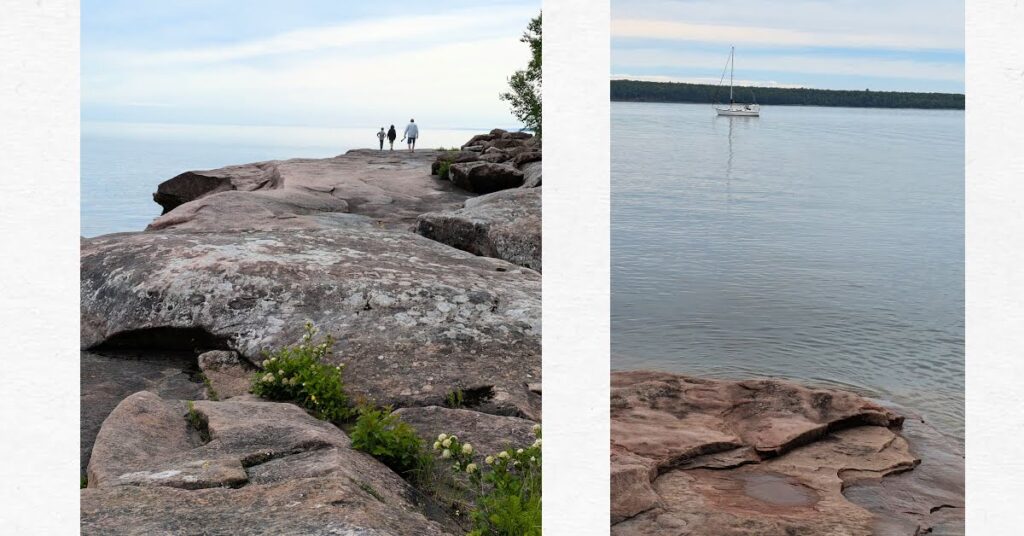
(777, 489)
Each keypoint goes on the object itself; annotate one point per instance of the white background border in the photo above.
(39, 97)
(995, 266)
(576, 267)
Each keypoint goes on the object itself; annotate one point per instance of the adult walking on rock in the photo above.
(411, 133)
(392, 134)
(380, 137)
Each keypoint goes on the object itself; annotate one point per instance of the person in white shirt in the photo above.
(380, 137)
(411, 133)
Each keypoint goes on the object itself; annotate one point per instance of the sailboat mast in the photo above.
(732, 69)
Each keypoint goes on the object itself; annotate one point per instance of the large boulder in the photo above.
(452, 157)
(192, 185)
(413, 319)
(531, 174)
(238, 467)
(758, 457)
(504, 143)
(504, 225)
(525, 157)
(485, 177)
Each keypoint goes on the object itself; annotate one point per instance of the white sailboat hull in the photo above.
(750, 110)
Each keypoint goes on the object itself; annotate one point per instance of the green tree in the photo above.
(525, 86)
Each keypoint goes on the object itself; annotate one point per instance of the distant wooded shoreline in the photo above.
(640, 91)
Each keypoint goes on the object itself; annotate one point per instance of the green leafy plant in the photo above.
(443, 168)
(301, 374)
(508, 486)
(525, 86)
(454, 399)
(445, 162)
(386, 437)
(84, 482)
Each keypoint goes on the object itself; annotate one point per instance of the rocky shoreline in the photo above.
(428, 281)
(767, 457)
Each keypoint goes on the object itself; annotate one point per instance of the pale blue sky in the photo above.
(906, 45)
(301, 62)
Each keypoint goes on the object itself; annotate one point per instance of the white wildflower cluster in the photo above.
(511, 460)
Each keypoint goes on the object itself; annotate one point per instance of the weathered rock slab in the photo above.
(390, 189)
(414, 319)
(712, 457)
(250, 467)
(505, 225)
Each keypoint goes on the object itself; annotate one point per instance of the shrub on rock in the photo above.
(394, 443)
(299, 374)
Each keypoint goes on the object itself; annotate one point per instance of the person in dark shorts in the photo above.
(392, 134)
(380, 137)
(411, 133)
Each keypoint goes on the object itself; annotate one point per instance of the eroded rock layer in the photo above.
(764, 457)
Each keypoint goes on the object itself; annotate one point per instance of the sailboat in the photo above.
(736, 108)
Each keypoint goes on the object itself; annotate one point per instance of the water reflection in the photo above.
(832, 253)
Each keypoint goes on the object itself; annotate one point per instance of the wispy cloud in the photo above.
(908, 45)
(753, 35)
(445, 68)
(412, 30)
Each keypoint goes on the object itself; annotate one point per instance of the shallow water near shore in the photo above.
(824, 245)
(122, 163)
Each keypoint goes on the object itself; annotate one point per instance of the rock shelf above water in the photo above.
(242, 257)
(767, 457)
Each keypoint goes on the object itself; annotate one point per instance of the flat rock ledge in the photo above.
(767, 457)
(238, 467)
(413, 319)
(391, 188)
(505, 225)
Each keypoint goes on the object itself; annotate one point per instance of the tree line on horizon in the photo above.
(641, 91)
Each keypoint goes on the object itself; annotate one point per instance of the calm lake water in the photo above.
(818, 244)
(122, 163)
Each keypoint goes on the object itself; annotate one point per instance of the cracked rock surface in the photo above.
(248, 467)
(766, 457)
(413, 318)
